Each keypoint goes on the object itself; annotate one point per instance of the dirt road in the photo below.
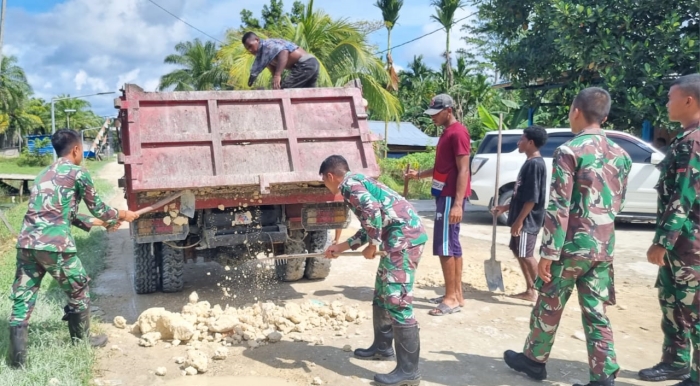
(460, 349)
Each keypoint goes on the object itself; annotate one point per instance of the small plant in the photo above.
(35, 158)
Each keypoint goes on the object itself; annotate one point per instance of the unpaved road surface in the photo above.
(460, 349)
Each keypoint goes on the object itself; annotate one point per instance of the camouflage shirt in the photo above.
(589, 182)
(678, 211)
(387, 218)
(53, 208)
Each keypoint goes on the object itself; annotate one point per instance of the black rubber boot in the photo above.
(383, 337)
(79, 327)
(407, 343)
(18, 346)
(603, 382)
(664, 372)
(519, 362)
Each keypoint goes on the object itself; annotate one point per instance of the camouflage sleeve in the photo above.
(556, 220)
(368, 211)
(88, 193)
(624, 177)
(685, 191)
(83, 222)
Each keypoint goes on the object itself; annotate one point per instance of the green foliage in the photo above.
(33, 158)
(633, 48)
(200, 69)
(393, 170)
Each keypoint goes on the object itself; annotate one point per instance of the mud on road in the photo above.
(460, 349)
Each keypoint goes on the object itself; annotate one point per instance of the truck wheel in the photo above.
(318, 267)
(292, 269)
(504, 199)
(145, 269)
(171, 268)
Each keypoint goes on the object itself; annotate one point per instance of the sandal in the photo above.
(443, 309)
(436, 300)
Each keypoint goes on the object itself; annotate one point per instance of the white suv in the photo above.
(641, 195)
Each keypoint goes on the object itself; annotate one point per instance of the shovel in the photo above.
(186, 203)
(307, 255)
(492, 267)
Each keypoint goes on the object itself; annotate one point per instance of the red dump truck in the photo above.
(252, 160)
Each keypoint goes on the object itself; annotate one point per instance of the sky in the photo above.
(81, 47)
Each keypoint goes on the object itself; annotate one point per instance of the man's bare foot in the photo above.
(530, 296)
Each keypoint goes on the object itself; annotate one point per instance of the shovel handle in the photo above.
(158, 204)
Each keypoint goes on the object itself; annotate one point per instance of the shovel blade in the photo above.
(494, 275)
(187, 203)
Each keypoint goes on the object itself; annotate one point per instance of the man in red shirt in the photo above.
(450, 186)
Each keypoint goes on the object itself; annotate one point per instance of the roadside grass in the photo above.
(50, 353)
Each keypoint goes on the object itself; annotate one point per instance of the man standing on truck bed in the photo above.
(389, 221)
(589, 183)
(45, 243)
(278, 55)
(676, 244)
(450, 186)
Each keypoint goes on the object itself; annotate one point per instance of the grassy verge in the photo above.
(50, 353)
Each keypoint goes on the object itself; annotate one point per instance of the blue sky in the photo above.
(81, 47)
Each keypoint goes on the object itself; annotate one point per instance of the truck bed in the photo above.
(269, 142)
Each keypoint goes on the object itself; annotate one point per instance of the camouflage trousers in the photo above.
(393, 287)
(594, 281)
(679, 297)
(32, 265)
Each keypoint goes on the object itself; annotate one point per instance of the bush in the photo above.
(34, 158)
(393, 170)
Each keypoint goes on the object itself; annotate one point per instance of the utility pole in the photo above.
(2, 26)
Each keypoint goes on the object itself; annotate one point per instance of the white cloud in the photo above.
(81, 45)
(129, 77)
(82, 78)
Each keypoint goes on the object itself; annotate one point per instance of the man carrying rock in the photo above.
(589, 183)
(45, 243)
(278, 55)
(676, 246)
(389, 221)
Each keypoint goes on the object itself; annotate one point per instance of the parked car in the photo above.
(641, 195)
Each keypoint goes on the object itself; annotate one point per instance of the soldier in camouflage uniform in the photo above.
(676, 246)
(589, 183)
(45, 243)
(390, 222)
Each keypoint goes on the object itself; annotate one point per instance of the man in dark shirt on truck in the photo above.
(526, 209)
(278, 55)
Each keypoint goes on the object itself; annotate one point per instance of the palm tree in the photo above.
(201, 69)
(445, 15)
(81, 118)
(390, 13)
(340, 47)
(14, 88)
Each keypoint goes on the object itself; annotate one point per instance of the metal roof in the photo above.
(403, 134)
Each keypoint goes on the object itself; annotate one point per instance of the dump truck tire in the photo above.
(318, 267)
(145, 269)
(292, 269)
(172, 268)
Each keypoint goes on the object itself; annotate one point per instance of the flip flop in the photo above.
(436, 300)
(443, 309)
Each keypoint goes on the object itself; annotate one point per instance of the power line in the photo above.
(178, 18)
(428, 34)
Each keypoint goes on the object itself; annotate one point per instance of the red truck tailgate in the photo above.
(200, 139)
